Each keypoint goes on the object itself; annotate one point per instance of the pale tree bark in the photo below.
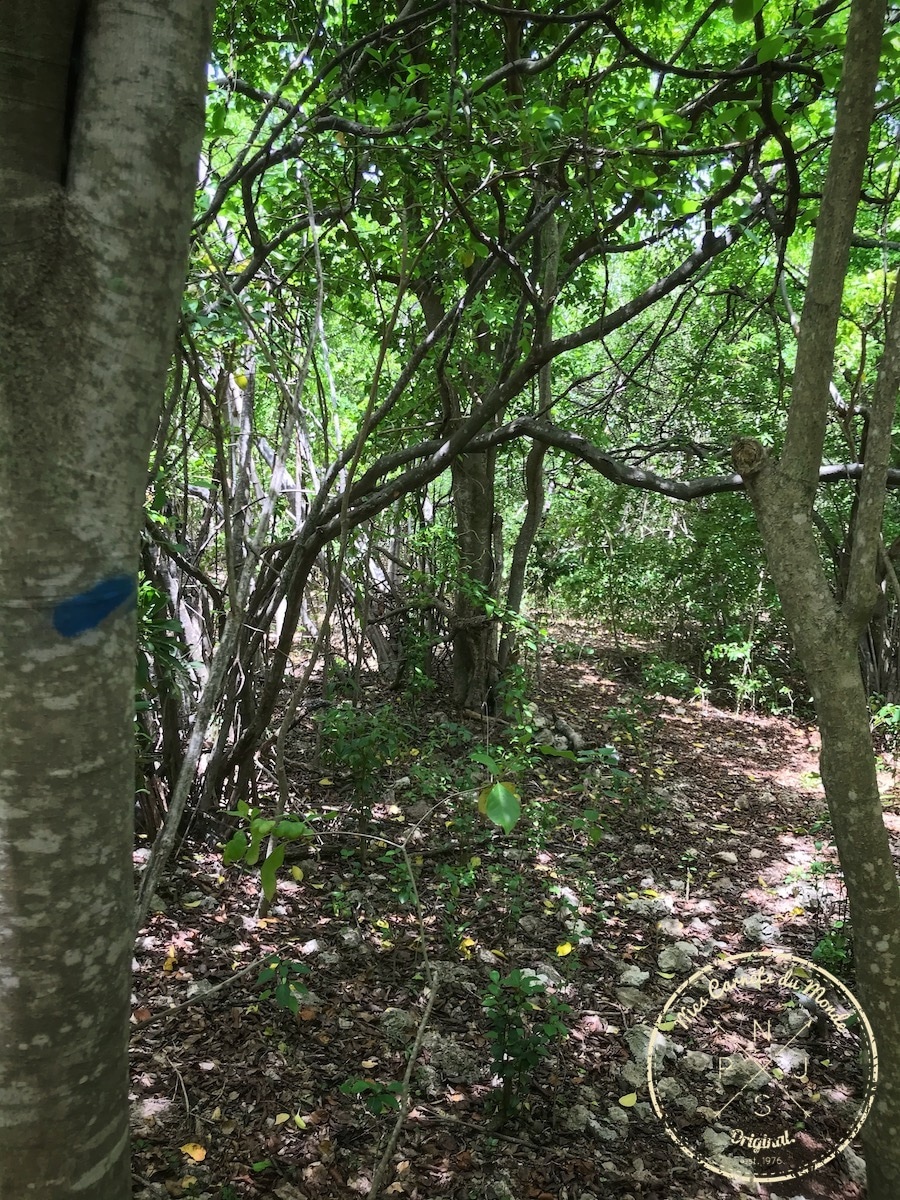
(101, 113)
(534, 462)
(826, 631)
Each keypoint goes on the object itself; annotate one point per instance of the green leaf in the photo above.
(291, 831)
(486, 760)
(503, 807)
(235, 848)
(552, 752)
(355, 1087)
(745, 10)
(770, 47)
(267, 872)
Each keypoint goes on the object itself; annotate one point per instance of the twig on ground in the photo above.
(435, 1114)
(165, 1013)
(378, 1177)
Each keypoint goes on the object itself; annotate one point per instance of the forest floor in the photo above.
(709, 836)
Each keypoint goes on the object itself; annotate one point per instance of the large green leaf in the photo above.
(268, 871)
(503, 806)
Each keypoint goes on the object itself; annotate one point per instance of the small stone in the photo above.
(633, 977)
(679, 957)
(545, 974)
(760, 929)
(398, 1026)
(532, 925)
(634, 1000)
(668, 1088)
(698, 1061)
(578, 1118)
(856, 1167)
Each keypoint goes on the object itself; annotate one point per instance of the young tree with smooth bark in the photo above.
(101, 112)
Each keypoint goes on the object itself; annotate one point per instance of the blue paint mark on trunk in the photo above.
(85, 611)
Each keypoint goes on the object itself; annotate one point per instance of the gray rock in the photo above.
(429, 1080)
(455, 1062)
(617, 1115)
(635, 1000)
(532, 925)
(633, 977)
(716, 1140)
(399, 1027)
(578, 1118)
(633, 1075)
(638, 1039)
(651, 908)
(679, 957)
(698, 1062)
(744, 1072)
(545, 974)
(759, 928)
(855, 1166)
(605, 1133)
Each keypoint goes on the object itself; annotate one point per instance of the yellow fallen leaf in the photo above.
(282, 1117)
(564, 949)
(299, 1122)
(369, 1063)
(628, 1101)
(466, 946)
(297, 873)
(194, 1150)
(326, 782)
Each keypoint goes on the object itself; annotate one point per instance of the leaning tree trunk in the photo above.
(826, 630)
(534, 463)
(101, 107)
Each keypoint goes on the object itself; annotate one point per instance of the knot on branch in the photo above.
(748, 456)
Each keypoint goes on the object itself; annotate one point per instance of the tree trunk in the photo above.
(826, 644)
(826, 630)
(534, 463)
(101, 111)
(515, 591)
(475, 634)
